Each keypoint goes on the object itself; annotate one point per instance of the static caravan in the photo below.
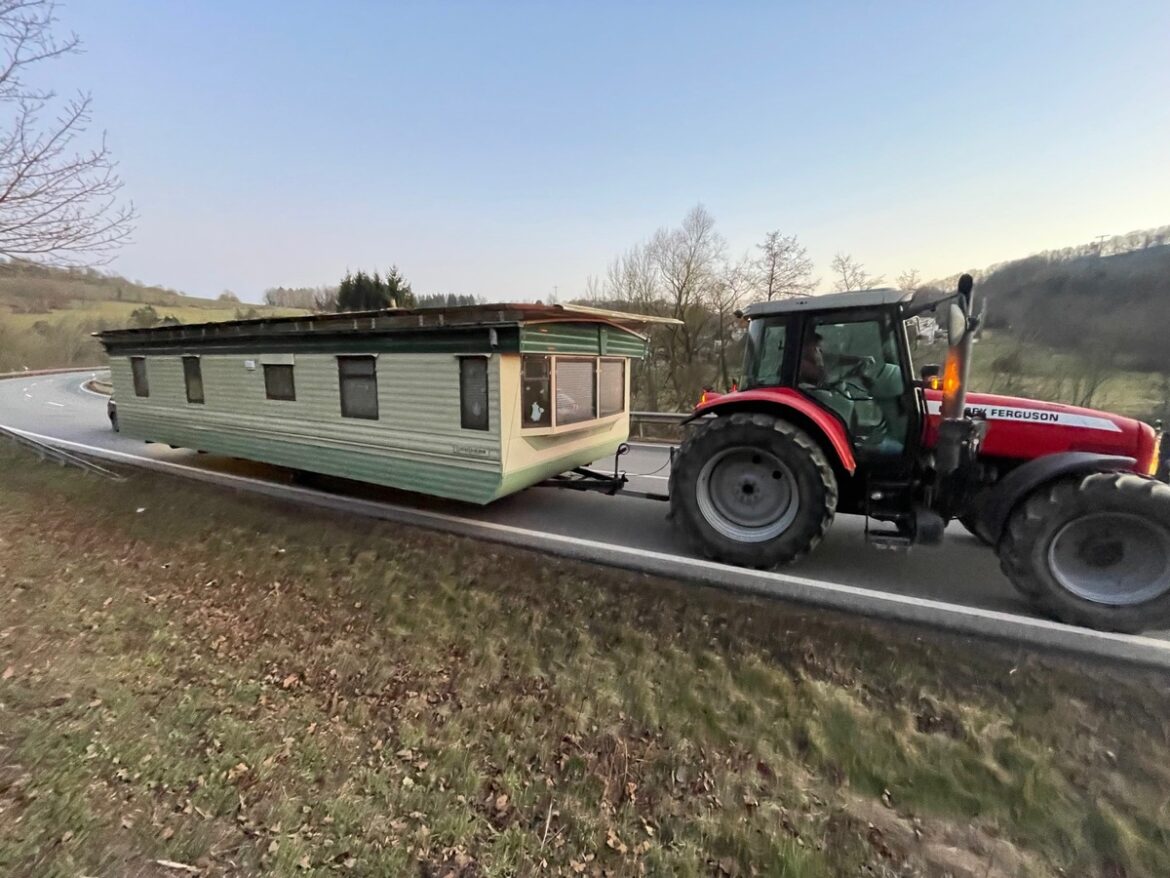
(470, 403)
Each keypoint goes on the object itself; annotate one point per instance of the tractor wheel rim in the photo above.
(1113, 558)
(747, 494)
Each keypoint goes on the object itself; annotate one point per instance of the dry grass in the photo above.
(248, 688)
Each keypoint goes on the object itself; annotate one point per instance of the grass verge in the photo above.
(240, 687)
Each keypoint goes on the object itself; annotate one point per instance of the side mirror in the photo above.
(956, 323)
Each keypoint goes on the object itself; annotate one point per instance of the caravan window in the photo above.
(138, 369)
(576, 390)
(535, 391)
(279, 383)
(561, 391)
(611, 396)
(473, 393)
(358, 378)
(193, 378)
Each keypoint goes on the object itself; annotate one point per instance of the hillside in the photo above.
(1085, 325)
(47, 314)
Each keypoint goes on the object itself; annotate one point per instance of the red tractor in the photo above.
(829, 417)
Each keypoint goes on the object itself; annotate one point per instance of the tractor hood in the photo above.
(1027, 428)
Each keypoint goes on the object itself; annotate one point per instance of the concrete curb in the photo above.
(1024, 631)
(33, 373)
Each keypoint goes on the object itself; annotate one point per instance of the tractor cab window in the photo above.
(853, 368)
(763, 365)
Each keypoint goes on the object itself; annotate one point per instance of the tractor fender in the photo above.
(784, 402)
(993, 507)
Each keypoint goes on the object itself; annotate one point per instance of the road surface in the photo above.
(961, 571)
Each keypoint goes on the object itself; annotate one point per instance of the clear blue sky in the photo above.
(502, 149)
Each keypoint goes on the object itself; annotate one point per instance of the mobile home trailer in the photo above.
(470, 403)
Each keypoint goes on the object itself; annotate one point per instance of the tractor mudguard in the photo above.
(994, 506)
(774, 402)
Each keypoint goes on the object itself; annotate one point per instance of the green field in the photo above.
(62, 336)
(1004, 364)
(243, 687)
(118, 313)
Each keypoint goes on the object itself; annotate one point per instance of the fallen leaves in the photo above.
(614, 843)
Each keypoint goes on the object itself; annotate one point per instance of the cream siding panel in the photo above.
(556, 453)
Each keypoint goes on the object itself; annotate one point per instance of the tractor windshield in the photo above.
(767, 339)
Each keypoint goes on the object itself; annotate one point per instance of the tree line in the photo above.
(688, 272)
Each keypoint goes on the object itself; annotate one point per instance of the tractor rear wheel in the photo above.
(1094, 551)
(752, 490)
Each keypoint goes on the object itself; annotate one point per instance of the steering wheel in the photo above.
(859, 370)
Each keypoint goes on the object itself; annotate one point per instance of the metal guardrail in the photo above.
(657, 426)
(45, 451)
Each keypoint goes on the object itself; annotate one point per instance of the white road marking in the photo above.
(85, 389)
(956, 617)
(59, 405)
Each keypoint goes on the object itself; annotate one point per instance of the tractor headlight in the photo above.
(1156, 456)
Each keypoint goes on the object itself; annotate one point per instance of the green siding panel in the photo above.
(386, 466)
(580, 338)
(417, 443)
(623, 344)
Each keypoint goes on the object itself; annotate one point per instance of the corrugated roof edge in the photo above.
(463, 315)
(831, 301)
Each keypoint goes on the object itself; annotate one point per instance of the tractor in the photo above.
(829, 416)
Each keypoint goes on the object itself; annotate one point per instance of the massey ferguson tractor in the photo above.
(829, 417)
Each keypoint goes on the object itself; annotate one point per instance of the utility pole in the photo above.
(1100, 239)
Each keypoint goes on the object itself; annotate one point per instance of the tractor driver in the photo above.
(812, 361)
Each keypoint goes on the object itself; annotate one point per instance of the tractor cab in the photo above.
(837, 367)
(848, 354)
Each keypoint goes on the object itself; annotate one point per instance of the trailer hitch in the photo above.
(582, 478)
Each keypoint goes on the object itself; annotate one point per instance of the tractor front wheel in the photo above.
(1094, 551)
(752, 490)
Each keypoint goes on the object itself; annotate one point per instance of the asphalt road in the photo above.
(960, 571)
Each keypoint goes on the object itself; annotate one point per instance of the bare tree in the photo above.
(325, 300)
(688, 260)
(632, 283)
(734, 285)
(58, 198)
(783, 267)
(909, 280)
(851, 274)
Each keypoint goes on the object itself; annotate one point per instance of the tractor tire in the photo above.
(752, 490)
(1094, 551)
(969, 523)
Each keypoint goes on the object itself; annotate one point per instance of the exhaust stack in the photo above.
(958, 435)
